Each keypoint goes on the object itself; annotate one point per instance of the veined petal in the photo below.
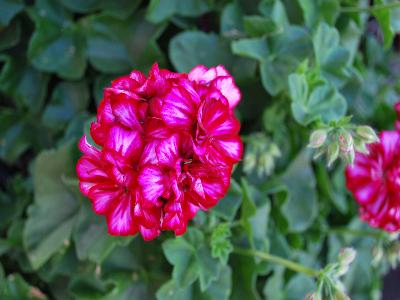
(179, 109)
(128, 112)
(149, 234)
(229, 89)
(120, 218)
(167, 151)
(128, 143)
(88, 149)
(103, 197)
(153, 183)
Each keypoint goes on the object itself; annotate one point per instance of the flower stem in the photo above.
(357, 232)
(278, 260)
(350, 9)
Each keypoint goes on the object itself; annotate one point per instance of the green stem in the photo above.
(357, 232)
(350, 9)
(278, 260)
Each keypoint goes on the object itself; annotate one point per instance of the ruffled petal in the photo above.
(153, 183)
(228, 88)
(128, 143)
(179, 109)
(120, 218)
(167, 151)
(103, 197)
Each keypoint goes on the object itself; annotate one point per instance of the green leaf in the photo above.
(301, 207)
(91, 237)
(58, 44)
(299, 286)
(257, 26)
(219, 289)
(287, 50)
(255, 48)
(228, 206)
(53, 214)
(231, 24)
(9, 8)
(315, 11)
(324, 102)
(16, 288)
(118, 46)
(384, 18)
(274, 287)
(119, 9)
(332, 58)
(191, 48)
(254, 215)
(172, 291)
(24, 84)
(14, 135)
(159, 10)
(191, 259)
(88, 287)
(67, 100)
(10, 35)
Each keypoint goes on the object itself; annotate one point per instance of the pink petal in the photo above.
(103, 197)
(126, 142)
(149, 234)
(197, 73)
(129, 113)
(153, 183)
(120, 218)
(229, 89)
(390, 145)
(88, 149)
(179, 109)
(167, 151)
(367, 193)
(90, 170)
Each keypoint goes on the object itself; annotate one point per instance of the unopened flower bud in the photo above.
(347, 256)
(349, 156)
(360, 146)
(345, 141)
(317, 138)
(333, 153)
(367, 134)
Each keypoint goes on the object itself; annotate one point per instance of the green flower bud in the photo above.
(317, 138)
(333, 153)
(345, 141)
(349, 156)
(360, 146)
(347, 255)
(367, 134)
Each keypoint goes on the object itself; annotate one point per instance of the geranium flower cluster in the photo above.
(167, 146)
(374, 180)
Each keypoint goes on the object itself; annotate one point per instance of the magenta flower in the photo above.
(167, 146)
(374, 180)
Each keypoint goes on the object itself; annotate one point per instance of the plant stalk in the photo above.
(278, 260)
(350, 9)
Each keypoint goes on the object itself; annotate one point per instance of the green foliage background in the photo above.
(296, 62)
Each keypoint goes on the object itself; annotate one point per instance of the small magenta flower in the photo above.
(166, 148)
(374, 180)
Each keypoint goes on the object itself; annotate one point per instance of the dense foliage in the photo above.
(301, 65)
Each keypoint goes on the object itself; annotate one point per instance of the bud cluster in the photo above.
(329, 285)
(387, 251)
(341, 140)
(260, 155)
